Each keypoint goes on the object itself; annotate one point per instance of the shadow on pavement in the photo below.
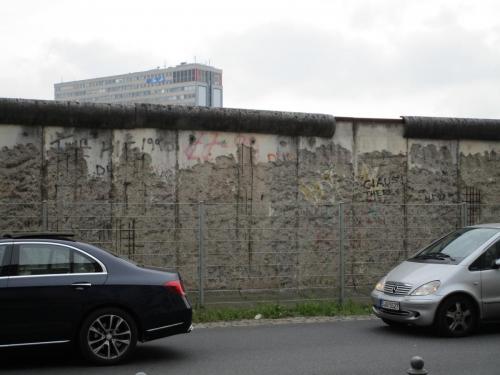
(428, 332)
(61, 357)
(39, 357)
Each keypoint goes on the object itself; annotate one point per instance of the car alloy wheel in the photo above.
(108, 336)
(457, 317)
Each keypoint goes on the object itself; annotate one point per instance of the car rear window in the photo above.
(48, 259)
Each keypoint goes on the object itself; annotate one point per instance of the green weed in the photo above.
(276, 311)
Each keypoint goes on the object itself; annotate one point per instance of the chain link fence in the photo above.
(250, 253)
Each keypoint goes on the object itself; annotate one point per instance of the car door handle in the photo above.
(81, 286)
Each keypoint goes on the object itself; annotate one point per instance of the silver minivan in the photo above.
(452, 284)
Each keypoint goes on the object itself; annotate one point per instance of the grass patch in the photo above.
(276, 311)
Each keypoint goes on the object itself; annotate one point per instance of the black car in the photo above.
(54, 290)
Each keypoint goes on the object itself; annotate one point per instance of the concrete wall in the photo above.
(148, 162)
(363, 162)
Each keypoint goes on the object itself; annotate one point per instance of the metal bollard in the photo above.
(417, 366)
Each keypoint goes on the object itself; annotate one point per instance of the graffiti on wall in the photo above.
(69, 151)
(150, 144)
(203, 145)
(377, 185)
(97, 154)
(207, 146)
(322, 190)
(435, 196)
(283, 152)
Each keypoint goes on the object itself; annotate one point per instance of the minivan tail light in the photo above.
(175, 286)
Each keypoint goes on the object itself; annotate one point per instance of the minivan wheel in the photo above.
(108, 336)
(456, 317)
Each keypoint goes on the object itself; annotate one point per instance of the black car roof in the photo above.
(66, 236)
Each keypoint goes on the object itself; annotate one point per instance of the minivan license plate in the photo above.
(390, 305)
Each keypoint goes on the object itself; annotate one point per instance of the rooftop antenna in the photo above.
(164, 64)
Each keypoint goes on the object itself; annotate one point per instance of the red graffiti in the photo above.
(201, 145)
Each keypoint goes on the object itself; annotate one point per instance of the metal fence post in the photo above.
(45, 216)
(341, 253)
(201, 255)
(464, 214)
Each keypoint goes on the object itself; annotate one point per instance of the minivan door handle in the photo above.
(81, 286)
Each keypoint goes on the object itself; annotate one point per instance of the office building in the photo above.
(184, 84)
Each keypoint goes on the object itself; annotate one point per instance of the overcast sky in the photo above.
(379, 58)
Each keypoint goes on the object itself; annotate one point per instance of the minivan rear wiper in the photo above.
(439, 256)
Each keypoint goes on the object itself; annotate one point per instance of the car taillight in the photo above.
(175, 286)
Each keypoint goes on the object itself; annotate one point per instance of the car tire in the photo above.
(456, 317)
(107, 336)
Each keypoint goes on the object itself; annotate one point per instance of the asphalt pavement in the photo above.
(342, 347)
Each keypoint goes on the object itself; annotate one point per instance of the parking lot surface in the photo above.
(364, 346)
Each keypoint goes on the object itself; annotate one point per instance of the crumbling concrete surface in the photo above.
(131, 178)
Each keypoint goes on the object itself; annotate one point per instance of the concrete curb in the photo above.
(295, 320)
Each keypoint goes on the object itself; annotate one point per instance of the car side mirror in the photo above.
(496, 264)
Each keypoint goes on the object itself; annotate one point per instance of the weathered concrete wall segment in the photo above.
(276, 177)
(362, 161)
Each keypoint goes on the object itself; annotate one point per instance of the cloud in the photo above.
(368, 57)
(66, 60)
(424, 66)
(304, 60)
(95, 58)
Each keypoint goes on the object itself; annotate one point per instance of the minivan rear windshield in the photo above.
(456, 246)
